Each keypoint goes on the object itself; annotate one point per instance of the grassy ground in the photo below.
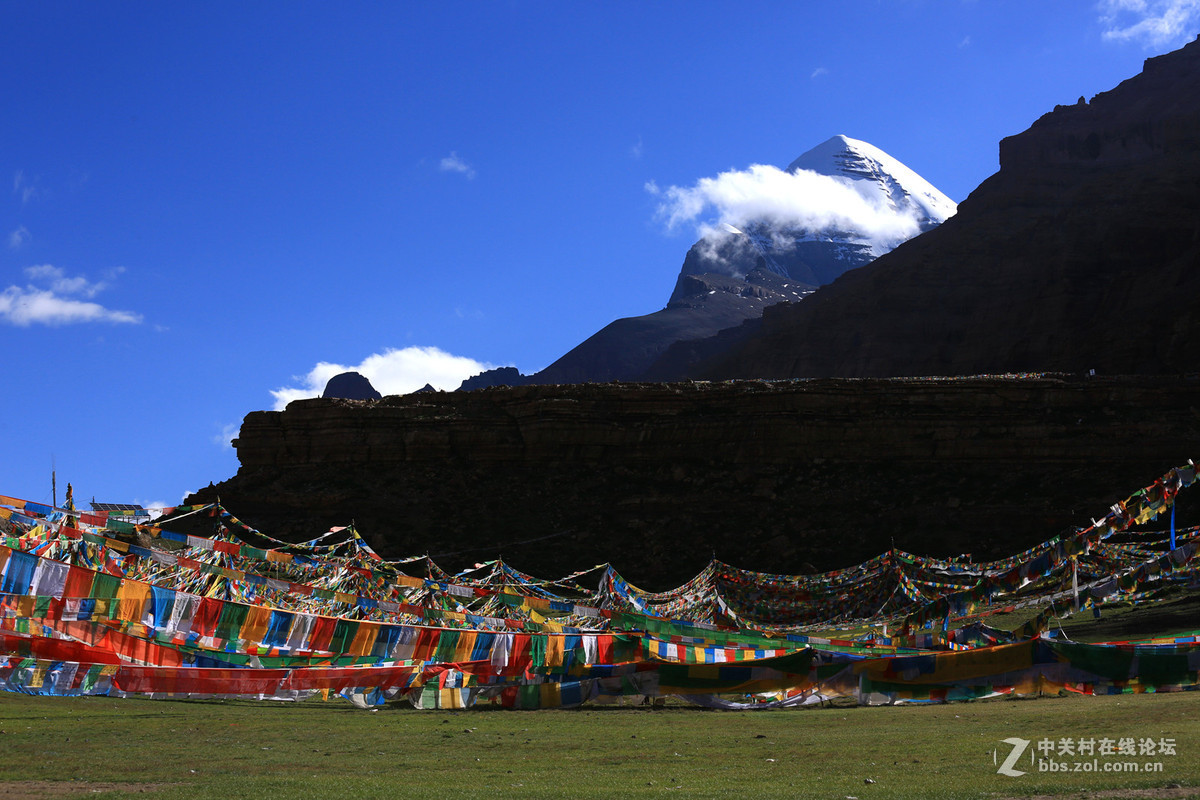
(198, 749)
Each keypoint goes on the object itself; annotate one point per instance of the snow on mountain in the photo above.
(839, 206)
(874, 173)
(767, 236)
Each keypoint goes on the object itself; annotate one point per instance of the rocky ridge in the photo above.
(657, 478)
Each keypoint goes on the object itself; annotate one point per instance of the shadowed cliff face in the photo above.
(657, 478)
(1082, 252)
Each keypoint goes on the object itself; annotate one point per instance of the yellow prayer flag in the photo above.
(364, 638)
(131, 600)
(254, 627)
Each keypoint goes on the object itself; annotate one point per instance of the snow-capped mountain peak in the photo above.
(875, 172)
(839, 206)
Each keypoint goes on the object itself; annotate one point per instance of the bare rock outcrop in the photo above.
(350, 386)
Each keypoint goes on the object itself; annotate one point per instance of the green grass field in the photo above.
(55, 747)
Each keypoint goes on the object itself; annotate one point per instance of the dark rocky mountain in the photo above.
(732, 274)
(1081, 253)
(700, 306)
(350, 386)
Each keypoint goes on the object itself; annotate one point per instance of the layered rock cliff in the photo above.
(657, 478)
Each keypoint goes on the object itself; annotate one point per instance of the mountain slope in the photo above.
(1081, 253)
(843, 203)
(701, 306)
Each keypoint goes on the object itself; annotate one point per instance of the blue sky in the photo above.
(209, 201)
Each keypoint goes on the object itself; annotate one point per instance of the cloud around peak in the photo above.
(390, 372)
(791, 200)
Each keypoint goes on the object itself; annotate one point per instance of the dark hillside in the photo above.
(1081, 253)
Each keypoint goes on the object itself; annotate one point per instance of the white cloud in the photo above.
(390, 372)
(786, 200)
(18, 238)
(636, 149)
(228, 433)
(52, 303)
(61, 284)
(1154, 23)
(28, 306)
(452, 163)
(818, 72)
